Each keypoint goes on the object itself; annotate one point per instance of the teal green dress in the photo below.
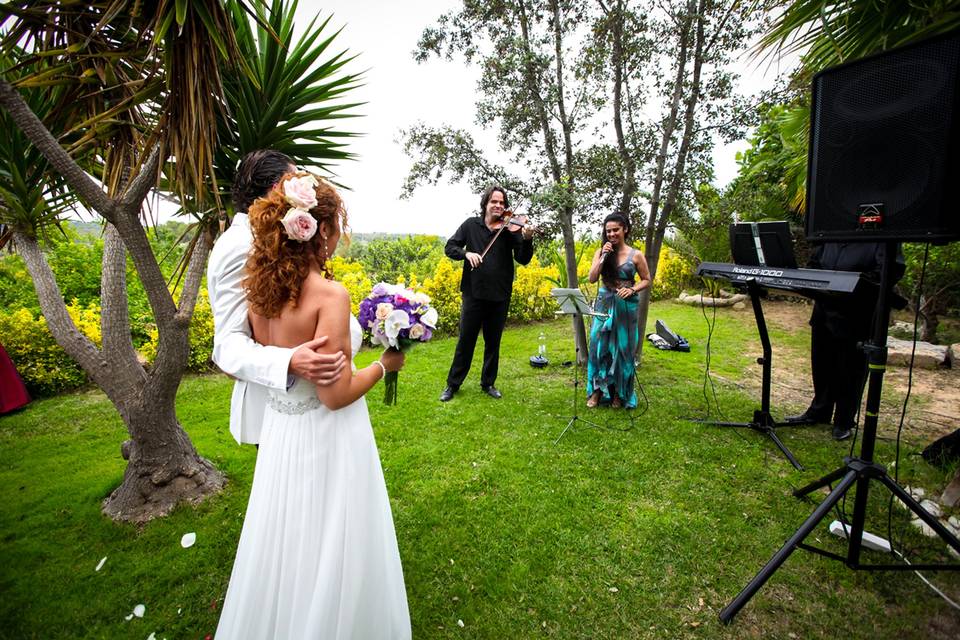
(613, 341)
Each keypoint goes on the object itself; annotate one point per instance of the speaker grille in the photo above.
(884, 130)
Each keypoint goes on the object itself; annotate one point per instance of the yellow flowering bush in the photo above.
(531, 293)
(674, 272)
(444, 291)
(45, 367)
(352, 276)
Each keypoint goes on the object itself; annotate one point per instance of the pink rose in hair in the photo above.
(299, 225)
(299, 192)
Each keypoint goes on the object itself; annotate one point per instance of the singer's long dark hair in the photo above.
(608, 272)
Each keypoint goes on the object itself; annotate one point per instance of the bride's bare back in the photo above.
(297, 324)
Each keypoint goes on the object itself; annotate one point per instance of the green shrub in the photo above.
(45, 367)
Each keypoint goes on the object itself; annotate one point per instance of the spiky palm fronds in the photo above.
(292, 96)
(30, 199)
(827, 32)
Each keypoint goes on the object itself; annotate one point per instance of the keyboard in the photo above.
(797, 280)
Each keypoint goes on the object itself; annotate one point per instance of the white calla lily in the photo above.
(395, 322)
(430, 318)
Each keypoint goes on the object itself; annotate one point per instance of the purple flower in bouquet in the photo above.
(396, 318)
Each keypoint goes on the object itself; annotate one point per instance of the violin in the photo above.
(513, 224)
(507, 221)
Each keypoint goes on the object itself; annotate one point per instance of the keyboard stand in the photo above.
(762, 420)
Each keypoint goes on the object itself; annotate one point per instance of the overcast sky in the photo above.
(398, 92)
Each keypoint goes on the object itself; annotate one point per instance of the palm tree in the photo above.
(141, 94)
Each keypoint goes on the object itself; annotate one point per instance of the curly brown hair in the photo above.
(278, 265)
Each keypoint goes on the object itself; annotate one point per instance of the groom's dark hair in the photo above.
(258, 172)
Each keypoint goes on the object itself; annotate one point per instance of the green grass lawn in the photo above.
(645, 529)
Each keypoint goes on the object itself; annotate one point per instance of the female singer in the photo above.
(613, 340)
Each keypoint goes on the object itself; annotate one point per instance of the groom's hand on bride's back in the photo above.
(319, 368)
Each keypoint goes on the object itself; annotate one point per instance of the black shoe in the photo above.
(840, 433)
(492, 392)
(805, 418)
(447, 393)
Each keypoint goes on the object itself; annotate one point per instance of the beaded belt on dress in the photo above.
(293, 407)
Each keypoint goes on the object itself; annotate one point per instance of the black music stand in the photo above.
(854, 472)
(762, 419)
(572, 303)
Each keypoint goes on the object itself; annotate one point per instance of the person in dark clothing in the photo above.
(837, 325)
(485, 285)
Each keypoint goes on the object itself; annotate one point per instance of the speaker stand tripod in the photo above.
(763, 421)
(856, 472)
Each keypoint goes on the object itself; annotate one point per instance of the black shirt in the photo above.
(493, 279)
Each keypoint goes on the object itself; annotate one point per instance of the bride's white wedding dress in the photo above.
(318, 553)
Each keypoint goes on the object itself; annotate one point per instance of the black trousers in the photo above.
(839, 374)
(490, 316)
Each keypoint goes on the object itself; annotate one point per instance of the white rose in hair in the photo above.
(300, 193)
(299, 225)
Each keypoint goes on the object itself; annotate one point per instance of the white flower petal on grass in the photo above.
(139, 610)
(152, 636)
(100, 564)
(188, 539)
(179, 609)
(460, 623)
(129, 617)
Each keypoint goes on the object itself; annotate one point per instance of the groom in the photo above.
(255, 367)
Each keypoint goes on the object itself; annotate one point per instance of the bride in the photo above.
(318, 554)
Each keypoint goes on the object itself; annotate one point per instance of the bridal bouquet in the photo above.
(396, 318)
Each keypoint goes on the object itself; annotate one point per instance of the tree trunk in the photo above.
(930, 310)
(163, 467)
(651, 249)
(570, 257)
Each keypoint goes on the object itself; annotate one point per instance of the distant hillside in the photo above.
(376, 235)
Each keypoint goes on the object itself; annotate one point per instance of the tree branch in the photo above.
(194, 276)
(88, 190)
(140, 186)
(114, 314)
(61, 325)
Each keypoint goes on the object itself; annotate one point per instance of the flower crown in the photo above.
(300, 194)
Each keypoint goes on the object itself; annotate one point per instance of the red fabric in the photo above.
(13, 394)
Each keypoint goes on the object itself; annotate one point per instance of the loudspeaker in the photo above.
(884, 161)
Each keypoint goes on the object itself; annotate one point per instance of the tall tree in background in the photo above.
(557, 74)
(699, 38)
(136, 95)
(533, 90)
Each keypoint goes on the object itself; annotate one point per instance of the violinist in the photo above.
(488, 244)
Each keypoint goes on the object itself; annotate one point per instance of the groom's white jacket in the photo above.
(256, 367)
